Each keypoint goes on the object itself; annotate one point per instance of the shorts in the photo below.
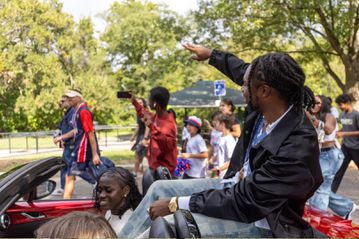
(139, 148)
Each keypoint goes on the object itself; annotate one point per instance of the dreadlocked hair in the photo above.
(309, 99)
(125, 178)
(282, 72)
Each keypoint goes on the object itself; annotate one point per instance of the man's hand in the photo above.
(200, 53)
(57, 139)
(96, 159)
(159, 208)
(339, 134)
(145, 142)
(133, 97)
(206, 123)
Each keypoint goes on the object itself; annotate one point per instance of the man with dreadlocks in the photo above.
(274, 168)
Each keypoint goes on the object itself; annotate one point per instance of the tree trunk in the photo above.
(352, 82)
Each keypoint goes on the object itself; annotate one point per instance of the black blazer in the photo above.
(285, 173)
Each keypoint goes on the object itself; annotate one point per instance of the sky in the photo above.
(84, 8)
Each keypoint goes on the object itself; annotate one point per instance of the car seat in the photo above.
(149, 176)
(184, 226)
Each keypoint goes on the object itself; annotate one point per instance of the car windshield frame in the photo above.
(4, 175)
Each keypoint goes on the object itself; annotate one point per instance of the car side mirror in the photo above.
(45, 189)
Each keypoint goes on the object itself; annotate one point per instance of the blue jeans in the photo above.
(330, 162)
(139, 221)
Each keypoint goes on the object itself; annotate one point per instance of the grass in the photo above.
(47, 142)
(20, 143)
(118, 157)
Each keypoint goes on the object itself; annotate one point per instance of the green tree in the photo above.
(43, 53)
(320, 29)
(142, 40)
(29, 65)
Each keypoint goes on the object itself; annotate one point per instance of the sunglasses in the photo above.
(318, 103)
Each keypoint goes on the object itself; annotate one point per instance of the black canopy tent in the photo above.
(201, 95)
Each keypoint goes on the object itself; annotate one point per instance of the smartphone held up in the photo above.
(124, 94)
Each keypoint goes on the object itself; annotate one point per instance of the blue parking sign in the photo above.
(219, 88)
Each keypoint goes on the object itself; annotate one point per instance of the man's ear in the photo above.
(266, 91)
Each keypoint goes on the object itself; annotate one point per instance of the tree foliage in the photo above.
(320, 29)
(142, 40)
(43, 53)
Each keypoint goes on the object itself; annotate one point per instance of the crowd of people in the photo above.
(249, 182)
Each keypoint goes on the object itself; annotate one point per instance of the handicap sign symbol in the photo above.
(219, 88)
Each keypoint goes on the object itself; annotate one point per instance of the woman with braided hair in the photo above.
(117, 192)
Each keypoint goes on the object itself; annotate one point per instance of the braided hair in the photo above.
(126, 178)
(282, 72)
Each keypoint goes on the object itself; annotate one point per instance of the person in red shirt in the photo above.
(162, 150)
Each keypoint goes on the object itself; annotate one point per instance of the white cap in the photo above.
(73, 93)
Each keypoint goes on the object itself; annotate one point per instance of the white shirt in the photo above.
(334, 112)
(115, 221)
(196, 145)
(225, 151)
(214, 142)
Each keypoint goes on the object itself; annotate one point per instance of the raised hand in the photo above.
(199, 53)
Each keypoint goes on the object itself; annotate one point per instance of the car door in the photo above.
(20, 218)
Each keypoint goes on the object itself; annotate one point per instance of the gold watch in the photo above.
(172, 206)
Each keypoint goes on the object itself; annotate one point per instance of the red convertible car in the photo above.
(25, 203)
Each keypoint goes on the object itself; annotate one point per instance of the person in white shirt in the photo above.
(226, 144)
(196, 150)
(214, 140)
(117, 192)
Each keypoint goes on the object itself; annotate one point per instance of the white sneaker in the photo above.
(349, 216)
(58, 192)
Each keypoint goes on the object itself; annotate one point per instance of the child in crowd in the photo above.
(141, 134)
(185, 135)
(214, 140)
(196, 150)
(226, 143)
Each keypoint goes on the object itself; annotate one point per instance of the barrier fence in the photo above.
(43, 139)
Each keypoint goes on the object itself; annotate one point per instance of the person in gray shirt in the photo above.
(350, 134)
